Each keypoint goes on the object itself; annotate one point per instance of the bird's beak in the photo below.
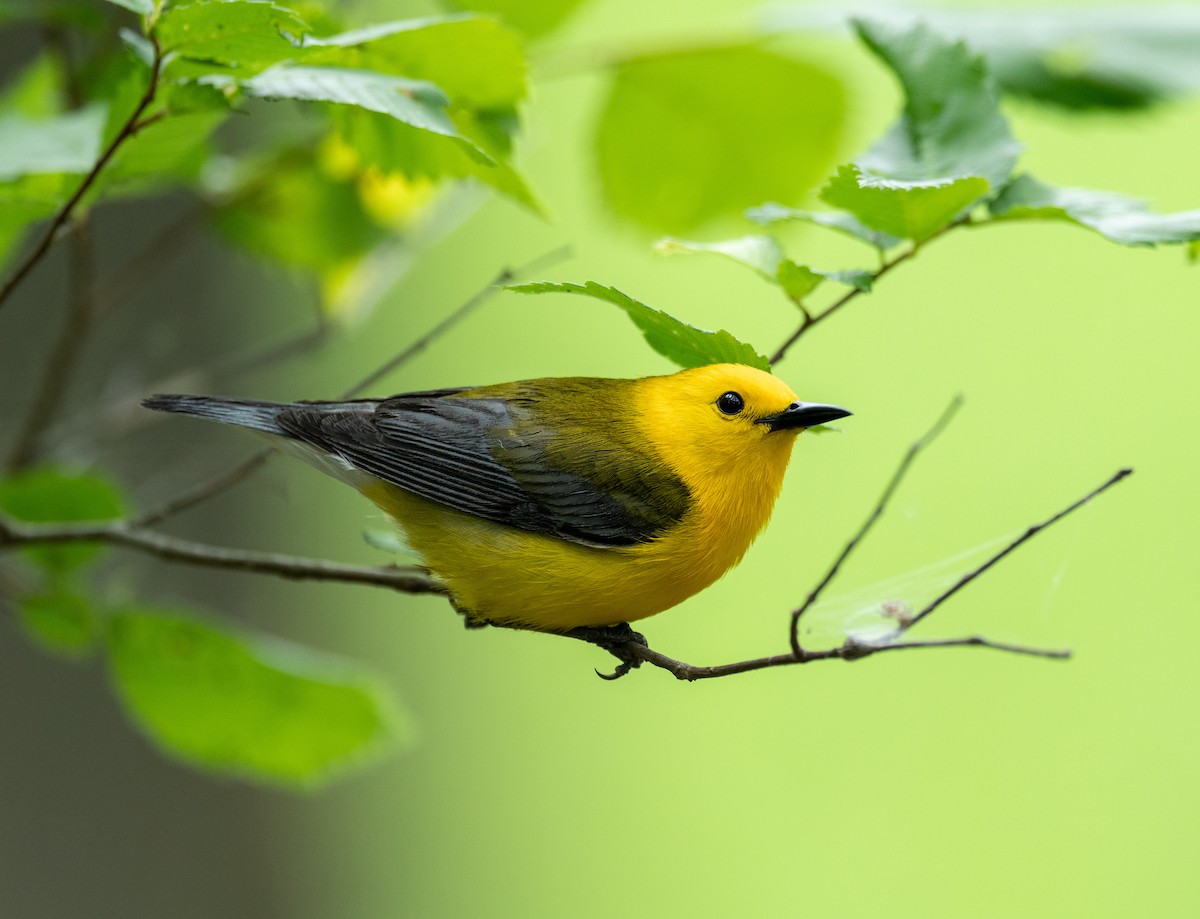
(803, 415)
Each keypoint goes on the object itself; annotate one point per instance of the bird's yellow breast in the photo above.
(507, 575)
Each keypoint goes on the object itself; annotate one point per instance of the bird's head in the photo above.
(721, 416)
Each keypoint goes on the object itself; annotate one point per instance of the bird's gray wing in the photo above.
(487, 458)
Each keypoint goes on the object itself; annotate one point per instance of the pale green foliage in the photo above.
(249, 706)
(690, 136)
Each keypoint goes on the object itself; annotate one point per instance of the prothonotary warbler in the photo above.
(558, 503)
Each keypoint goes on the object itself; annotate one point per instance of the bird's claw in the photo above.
(617, 640)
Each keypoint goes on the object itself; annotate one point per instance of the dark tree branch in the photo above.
(14, 534)
(64, 214)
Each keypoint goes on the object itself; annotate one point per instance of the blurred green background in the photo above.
(948, 782)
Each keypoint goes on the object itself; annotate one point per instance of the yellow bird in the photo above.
(555, 504)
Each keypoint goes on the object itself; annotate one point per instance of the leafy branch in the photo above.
(128, 129)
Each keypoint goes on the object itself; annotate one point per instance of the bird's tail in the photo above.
(258, 416)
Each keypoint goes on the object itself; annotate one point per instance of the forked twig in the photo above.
(631, 649)
(232, 476)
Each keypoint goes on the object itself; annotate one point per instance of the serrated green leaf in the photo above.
(761, 254)
(841, 221)
(47, 495)
(236, 37)
(68, 143)
(690, 136)
(906, 209)
(60, 620)
(413, 102)
(1123, 220)
(797, 281)
(951, 126)
(475, 60)
(244, 705)
(677, 341)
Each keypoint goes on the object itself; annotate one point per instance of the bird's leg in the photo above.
(617, 640)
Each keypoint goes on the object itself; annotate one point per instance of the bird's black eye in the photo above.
(731, 403)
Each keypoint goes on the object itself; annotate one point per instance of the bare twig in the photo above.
(1019, 541)
(481, 296)
(631, 649)
(64, 355)
(14, 534)
(210, 488)
(811, 319)
(880, 506)
(64, 214)
(236, 474)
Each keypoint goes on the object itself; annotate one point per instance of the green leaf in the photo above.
(229, 36)
(288, 208)
(37, 90)
(854, 277)
(68, 143)
(690, 136)
(475, 60)
(413, 102)
(906, 209)
(394, 147)
(60, 620)
(246, 705)
(677, 341)
(532, 17)
(47, 495)
(169, 152)
(142, 7)
(1088, 57)
(26, 201)
(951, 126)
(1123, 220)
(797, 281)
(761, 254)
(841, 221)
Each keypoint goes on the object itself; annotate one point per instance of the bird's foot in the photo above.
(618, 640)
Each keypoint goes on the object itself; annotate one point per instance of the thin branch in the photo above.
(1019, 541)
(811, 319)
(14, 534)
(63, 358)
(202, 492)
(236, 474)
(632, 651)
(897, 477)
(476, 300)
(850, 651)
(65, 212)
